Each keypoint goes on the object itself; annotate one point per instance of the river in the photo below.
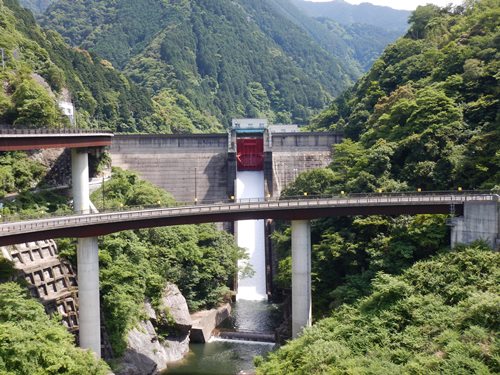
(230, 357)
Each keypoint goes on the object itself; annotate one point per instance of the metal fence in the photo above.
(5, 130)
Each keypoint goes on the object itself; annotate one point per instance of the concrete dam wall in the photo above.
(204, 165)
(186, 166)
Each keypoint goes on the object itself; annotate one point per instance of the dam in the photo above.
(203, 166)
(252, 161)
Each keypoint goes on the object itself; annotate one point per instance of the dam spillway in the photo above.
(250, 235)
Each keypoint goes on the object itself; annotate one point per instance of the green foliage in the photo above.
(439, 316)
(135, 265)
(31, 343)
(18, 172)
(432, 96)
(212, 60)
(103, 97)
(34, 107)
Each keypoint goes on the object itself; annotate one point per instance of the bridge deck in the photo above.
(34, 139)
(89, 225)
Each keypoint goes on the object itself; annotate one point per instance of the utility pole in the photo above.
(195, 186)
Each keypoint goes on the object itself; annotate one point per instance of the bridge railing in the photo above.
(60, 130)
(354, 199)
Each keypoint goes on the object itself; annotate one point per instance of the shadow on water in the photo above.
(228, 357)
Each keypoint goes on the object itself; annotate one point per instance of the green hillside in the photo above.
(36, 6)
(365, 13)
(441, 316)
(32, 343)
(39, 66)
(228, 58)
(425, 116)
(360, 44)
(430, 104)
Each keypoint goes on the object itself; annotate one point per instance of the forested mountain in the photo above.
(365, 13)
(39, 67)
(212, 61)
(394, 298)
(230, 58)
(358, 43)
(428, 110)
(36, 6)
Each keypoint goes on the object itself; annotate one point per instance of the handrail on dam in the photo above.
(248, 205)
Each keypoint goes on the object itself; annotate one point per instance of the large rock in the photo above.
(163, 338)
(174, 309)
(145, 354)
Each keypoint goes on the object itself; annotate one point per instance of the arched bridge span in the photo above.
(90, 225)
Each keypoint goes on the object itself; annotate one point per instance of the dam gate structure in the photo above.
(203, 166)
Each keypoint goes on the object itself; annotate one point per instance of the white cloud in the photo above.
(400, 4)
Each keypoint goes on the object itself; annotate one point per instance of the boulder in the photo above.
(162, 338)
(174, 310)
(144, 354)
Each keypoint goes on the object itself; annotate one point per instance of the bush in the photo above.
(31, 343)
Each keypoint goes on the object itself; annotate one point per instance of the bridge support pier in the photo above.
(87, 259)
(301, 276)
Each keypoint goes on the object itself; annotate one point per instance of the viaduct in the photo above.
(478, 218)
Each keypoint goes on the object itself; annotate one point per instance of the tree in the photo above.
(34, 106)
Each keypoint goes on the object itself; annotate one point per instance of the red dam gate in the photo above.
(250, 154)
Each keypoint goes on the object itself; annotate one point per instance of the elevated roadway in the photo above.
(91, 225)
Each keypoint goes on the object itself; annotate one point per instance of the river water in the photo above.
(230, 357)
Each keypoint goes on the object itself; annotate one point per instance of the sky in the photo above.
(400, 4)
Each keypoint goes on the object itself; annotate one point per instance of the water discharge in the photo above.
(250, 235)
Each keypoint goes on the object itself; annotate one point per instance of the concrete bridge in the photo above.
(304, 208)
(479, 220)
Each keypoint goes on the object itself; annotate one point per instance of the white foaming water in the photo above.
(250, 235)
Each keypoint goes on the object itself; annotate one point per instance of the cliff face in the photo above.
(160, 339)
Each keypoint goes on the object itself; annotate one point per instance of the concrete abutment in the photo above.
(481, 221)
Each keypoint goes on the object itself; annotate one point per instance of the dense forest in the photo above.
(32, 343)
(40, 68)
(228, 59)
(425, 116)
(363, 14)
(440, 316)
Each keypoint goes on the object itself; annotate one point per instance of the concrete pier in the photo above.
(87, 259)
(301, 276)
(88, 293)
(80, 180)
